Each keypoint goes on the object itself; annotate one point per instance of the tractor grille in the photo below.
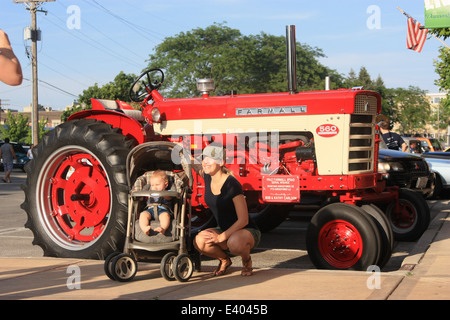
(362, 135)
(365, 104)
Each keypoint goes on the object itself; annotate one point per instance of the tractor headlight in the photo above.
(156, 115)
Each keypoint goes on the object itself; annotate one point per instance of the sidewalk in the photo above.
(425, 274)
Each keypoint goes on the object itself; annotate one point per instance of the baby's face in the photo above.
(158, 184)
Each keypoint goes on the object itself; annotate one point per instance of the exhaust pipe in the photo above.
(327, 83)
(291, 51)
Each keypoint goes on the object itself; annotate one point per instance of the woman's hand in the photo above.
(212, 237)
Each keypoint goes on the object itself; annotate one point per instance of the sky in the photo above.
(91, 41)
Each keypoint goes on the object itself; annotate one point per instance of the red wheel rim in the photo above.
(405, 217)
(340, 244)
(74, 197)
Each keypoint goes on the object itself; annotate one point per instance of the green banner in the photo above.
(437, 14)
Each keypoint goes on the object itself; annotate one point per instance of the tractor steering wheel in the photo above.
(150, 80)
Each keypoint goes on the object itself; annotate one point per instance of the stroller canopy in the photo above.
(156, 155)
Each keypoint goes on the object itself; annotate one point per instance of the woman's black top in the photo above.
(222, 205)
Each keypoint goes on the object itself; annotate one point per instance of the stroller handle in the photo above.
(153, 193)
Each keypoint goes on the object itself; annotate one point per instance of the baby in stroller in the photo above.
(159, 225)
(158, 208)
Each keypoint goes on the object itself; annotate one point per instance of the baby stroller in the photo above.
(177, 264)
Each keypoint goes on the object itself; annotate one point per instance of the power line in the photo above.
(55, 87)
(12, 89)
(117, 43)
(154, 16)
(53, 59)
(93, 43)
(63, 75)
(141, 30)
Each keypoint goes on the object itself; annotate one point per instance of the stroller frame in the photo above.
(177, 264)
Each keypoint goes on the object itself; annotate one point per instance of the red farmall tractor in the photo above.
(285, 149)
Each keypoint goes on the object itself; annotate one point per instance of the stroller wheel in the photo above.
(107, 265)
(183, 267)
(123, 267)
(166, 266)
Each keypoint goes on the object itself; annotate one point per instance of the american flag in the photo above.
(416, 37)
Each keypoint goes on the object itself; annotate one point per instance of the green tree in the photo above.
(442, 115)
(411, 109)
(388, 104)
(16, 127)
(364, 79)
(118, 89)
(248, 64)
(443, 33)
(351, 80)
(68, 112)
(115, 90)
(442, 65)
(41, 131)
(443, 69)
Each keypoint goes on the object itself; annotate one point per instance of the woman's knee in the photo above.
(240, 242)
(199, 242)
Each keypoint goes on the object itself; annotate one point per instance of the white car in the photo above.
(439, 163)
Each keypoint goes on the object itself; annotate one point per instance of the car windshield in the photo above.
(424, 145)
(414, 145)
(436, 145)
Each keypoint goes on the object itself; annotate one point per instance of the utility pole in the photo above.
(33, 6)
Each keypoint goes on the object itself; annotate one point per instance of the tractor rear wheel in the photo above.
(269, 216)
(343, 236)
(76, 190)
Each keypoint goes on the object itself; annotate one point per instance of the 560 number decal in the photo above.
(327, 130)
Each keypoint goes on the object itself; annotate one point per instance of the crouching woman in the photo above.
(236, 232)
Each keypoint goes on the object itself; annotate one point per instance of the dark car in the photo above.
(21, 155)
(406, 170)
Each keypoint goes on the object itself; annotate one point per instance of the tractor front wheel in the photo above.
(343, 236)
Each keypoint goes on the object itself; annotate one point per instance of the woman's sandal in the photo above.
(223, 267)
(247, 269)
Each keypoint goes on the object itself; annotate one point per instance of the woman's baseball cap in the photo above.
(214, 152)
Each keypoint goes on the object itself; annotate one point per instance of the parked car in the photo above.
(430, 144)
(405, 170)
(21, 155)
(414, 145)
(439, 162)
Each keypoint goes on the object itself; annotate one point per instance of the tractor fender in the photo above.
(130, 127)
